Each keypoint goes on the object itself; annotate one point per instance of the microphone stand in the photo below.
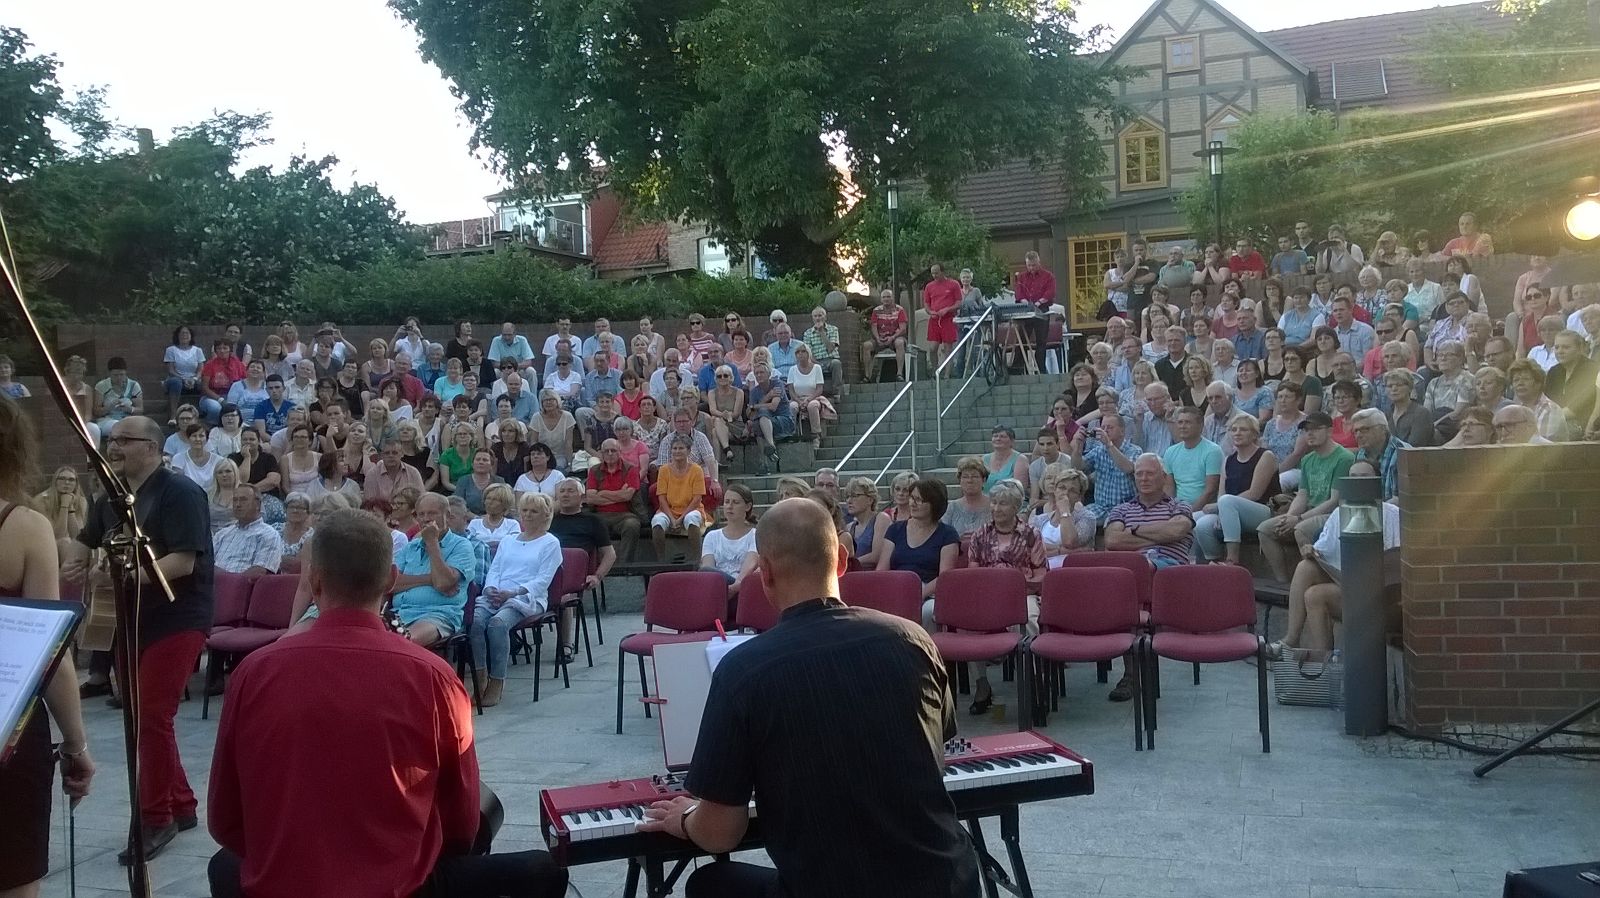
(129, 550)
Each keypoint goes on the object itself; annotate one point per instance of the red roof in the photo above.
(634, 245)
(1396, 39)
(1013, 195)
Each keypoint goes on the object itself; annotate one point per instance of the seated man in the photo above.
(1154, 524)
(249, 545)
(305, 798)
(577, 527)
(611, 487)
(1315, 599)
(430, 593)
(889, 326)
(1321, 467)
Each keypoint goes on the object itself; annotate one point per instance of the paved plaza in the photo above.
(1206, 814)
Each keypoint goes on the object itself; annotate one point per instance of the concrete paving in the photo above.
(1205, 814)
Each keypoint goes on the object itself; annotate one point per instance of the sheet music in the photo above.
(31, 638)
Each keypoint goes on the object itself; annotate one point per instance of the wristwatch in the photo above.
(683, 821)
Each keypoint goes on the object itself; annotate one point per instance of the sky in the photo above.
(343, 77)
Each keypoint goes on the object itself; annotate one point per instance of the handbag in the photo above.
(1316, 684)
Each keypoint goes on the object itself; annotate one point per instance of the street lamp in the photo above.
(1213, 154)
(892, 194)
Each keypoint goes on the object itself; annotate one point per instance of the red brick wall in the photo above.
(1500, 553)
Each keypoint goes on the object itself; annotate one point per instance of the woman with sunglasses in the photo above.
(725, 404)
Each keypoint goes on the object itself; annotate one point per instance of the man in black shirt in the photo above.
(576, 527)
(1140, 278)
(837, 717)
(175, 514)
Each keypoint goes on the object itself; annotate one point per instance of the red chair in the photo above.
(892, 592)
(458, 649)
(690, 602)
(755, 613)
(266, 618)
(230, 602)
(984, 611)
(1142, 570)
(571, 580)
(1205, 614)
(1088, 614)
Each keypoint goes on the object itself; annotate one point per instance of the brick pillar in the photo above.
(1500, 552)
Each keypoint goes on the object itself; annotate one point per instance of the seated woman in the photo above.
(516, 587)
(541, 475)
(1250, 480)
(472, 486)
(1005, 541)
(806, 390)
(730, 550)
(680, 499)
(496, 525)
(770, 410)
(900, 495)
(1005, 462)
(866, 521)
(1069, 526)
(725, 406)
(922, 543)
(1315, 600)
(970, 509)
(1477, 428)
(1346, 402)
(295, 531)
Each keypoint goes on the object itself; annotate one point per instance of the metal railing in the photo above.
(939, 404)
(909, 393)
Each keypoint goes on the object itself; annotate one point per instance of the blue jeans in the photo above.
(490, 635)
(210, 409)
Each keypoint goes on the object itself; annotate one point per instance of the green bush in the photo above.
(511, 284)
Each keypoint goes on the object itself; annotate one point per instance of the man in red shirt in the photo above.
(941, 298)
(889, 326)
(344, 762)
(1035, 285)
(218, 374)
(1245, 261)
(611, 487)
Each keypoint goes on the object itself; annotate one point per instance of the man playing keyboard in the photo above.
(836, 717)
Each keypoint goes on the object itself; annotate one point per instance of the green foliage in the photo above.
(1496, 152)
(518, 284)
(1548, 45)
(928, 231)
(29, 96)
(727, 112)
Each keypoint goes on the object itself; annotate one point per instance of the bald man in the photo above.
(836, 720)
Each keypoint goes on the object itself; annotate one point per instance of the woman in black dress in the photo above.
(29, 568)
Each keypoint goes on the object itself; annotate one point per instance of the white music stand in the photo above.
(683, 680)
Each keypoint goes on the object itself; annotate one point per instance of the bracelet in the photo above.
(64, 755)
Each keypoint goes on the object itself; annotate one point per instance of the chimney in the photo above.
(147, 140)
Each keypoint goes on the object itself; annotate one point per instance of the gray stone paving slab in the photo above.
(1205, 814)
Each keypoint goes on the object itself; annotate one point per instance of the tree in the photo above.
(1496, 148)
(29, 96)
(734, 113)
(928, 231)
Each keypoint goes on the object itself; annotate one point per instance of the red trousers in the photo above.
(164, 669)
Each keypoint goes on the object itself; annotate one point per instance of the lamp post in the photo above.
(1366, 680)
(1213, 154)
(892, 195)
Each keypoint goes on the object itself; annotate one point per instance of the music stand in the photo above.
(1524, 746)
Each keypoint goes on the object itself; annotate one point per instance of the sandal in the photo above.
(569, 654)
(1122, 692)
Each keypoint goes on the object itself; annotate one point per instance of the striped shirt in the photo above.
(822, 345)
(1134, 513)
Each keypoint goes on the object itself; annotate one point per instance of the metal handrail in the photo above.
(898, 449)
(938, 382)
(845, 462)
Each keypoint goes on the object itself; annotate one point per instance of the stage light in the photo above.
(1583, 219)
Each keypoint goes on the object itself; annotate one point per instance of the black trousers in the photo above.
(732, 879)
(1039, 329)
(520, 874)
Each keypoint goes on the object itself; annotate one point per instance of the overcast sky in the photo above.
(344, 77)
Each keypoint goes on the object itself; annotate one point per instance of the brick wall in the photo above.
(1500, 553)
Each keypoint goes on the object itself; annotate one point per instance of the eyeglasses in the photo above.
(724, 377)
(123, 441)
(731, 320)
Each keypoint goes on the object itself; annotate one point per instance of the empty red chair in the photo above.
(755, 613)
(1205, 614)
(983, 612)
(689, 602)
(267, 618)
(567, 591)
(230, 601)
(893, 592)
(1143, 571)
(1089, 614)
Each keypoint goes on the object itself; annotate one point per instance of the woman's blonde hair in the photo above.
(213, 489)
(972, 463)
(865, 486)
(791, 487)
(506, 495)
(545, 505)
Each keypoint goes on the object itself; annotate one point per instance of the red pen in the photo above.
(721, 632)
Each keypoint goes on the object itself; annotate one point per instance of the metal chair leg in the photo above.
(538, 650)
(583, 626)
(599, 633)
(1197, 673)
(211, 673)
(621, 672)
(1132, 667)
(1261, 698)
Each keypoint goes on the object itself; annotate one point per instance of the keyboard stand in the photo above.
(994, 875)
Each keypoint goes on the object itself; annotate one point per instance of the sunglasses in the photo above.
(731, 320)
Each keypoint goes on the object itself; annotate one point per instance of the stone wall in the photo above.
(1500, 553)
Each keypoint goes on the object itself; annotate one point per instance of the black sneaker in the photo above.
(90, 690)
(187, 822)
(1122, 692)
(155, 839)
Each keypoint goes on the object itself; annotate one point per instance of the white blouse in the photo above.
(727, 555)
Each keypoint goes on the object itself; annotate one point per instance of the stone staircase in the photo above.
(1022, 403)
